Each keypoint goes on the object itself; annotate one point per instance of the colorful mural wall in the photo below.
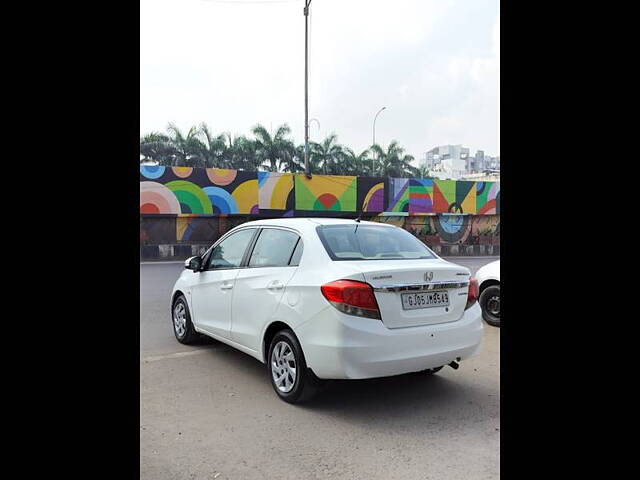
(189, 206)
(186, 191)
(434, 230)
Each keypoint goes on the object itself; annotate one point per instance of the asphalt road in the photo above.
(208, 411)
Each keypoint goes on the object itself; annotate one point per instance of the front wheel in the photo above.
(290, 377)
(182, 326)
(490, 305)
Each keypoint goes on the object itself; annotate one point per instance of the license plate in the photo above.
(412, 301)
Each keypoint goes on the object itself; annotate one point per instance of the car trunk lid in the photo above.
(391, 279)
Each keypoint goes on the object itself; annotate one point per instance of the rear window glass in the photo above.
(369, 242)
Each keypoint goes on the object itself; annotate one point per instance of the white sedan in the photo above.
(489, 284)
(318, 298)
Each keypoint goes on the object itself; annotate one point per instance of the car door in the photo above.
(259, 287)
(212, 291)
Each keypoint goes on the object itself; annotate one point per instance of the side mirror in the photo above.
(193, 263)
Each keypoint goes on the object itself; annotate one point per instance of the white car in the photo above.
(320, 298)
(488, 278)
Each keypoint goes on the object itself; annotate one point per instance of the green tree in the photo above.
(240, 154)
(188, 149)
(393, 162)
(353, 164)
(157, 147)
(213, 148)
(273, 151)
(327, 155)
(199, 147)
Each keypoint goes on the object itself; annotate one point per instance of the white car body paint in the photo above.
(490, 271)
(336, 345)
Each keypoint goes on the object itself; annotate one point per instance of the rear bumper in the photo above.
(339, 346)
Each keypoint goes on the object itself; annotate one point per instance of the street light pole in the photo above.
(306, 89)
(374, 139)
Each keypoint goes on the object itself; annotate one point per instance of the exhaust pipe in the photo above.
(454, 365)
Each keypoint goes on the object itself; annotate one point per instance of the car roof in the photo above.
(306, 222)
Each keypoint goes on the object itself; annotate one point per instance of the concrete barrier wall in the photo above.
(171, 237)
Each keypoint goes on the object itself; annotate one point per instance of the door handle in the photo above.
(276, 285)
(226, 286)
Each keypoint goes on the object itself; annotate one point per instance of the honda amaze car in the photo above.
(318, 298)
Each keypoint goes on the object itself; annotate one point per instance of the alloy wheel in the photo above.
(283, 367)
(180, 319)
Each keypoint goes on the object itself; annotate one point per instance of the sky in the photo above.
(232, 64)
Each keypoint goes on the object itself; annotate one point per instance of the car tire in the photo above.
(181, 320)
(490, 305)
(292, 381)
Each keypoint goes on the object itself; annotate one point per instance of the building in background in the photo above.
(454, 162)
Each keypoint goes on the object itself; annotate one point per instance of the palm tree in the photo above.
(327, 155)
(291, 160)
(187, 149)
(156, 147)
(276, 153)
(356, 164)
(394, 162)
(240, 154)
(213, 148)
(273, 151)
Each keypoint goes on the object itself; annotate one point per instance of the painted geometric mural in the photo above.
(420, 195)
(275, 193)
(449, 229)
(196, 192)
(444, 195)
(398, 195)
(488, 198)
(434, 230)
(325, 193)
(411, 195)
(371, 197)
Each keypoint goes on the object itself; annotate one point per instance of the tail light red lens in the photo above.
(472, 296)
(352, 297)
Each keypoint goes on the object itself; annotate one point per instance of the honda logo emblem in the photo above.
(428, 276)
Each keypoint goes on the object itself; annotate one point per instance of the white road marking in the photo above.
(155, 358)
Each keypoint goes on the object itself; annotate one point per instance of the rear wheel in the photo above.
(490, 305)
(290, 377)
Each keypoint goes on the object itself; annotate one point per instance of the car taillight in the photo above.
(472, 296)
(352, 297)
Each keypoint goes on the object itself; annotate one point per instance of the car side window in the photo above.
(297, 254)
(229, 252)
(273, 248)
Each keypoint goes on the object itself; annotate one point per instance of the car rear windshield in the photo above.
(370, 242)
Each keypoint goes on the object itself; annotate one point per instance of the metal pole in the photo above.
(306, 90)
(374, 139)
